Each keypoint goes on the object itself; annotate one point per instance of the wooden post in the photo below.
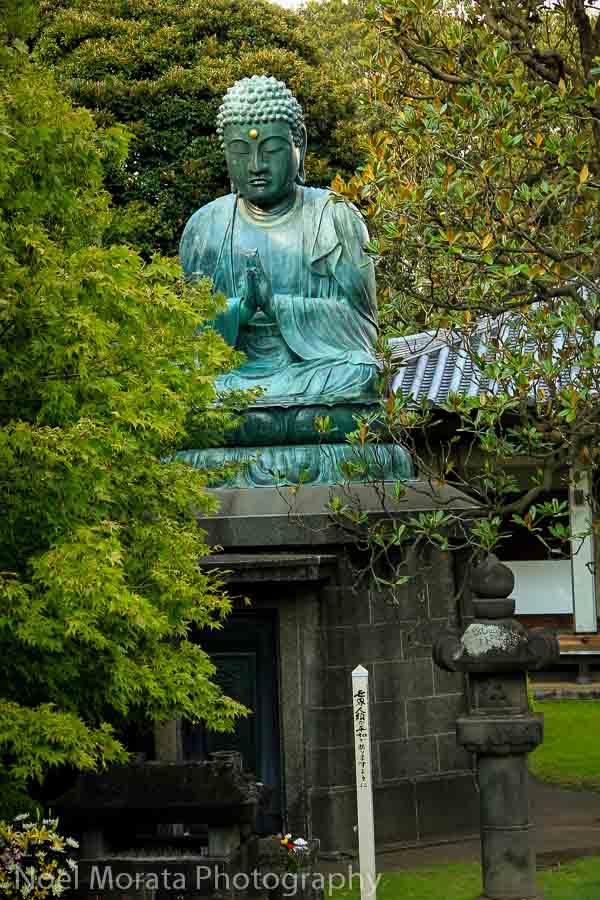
(168, 748)
(364, 784)
(167, 741)
(582, 552)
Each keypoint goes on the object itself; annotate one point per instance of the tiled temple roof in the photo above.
(431, 364)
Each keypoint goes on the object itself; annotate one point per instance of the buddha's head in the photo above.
(264, 138)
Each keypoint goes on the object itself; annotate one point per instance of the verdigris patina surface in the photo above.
(300, 301)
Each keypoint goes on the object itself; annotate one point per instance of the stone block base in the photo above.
(406, 813)
(283, 551)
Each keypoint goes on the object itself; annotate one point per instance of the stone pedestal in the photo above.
(496, 652)
(302, 464)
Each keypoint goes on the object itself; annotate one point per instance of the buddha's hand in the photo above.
(249, 303)
(261, 283)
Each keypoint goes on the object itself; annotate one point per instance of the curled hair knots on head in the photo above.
(261, 99)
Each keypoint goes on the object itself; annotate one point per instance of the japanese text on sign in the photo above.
(361, 732)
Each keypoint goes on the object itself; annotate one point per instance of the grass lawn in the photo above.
(578, 880)
(570, 754)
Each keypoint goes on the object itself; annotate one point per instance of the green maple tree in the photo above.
(102, 376)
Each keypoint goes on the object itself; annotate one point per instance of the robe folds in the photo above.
(319, 345)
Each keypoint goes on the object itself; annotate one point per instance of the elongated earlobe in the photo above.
(301, 176)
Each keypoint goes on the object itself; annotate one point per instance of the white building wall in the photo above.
(542, 587)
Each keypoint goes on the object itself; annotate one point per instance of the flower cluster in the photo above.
(34, 859)
(296, 849)
(296, 845)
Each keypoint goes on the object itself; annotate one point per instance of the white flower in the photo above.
(71, 842)
(20, 817)
(57, 888)
(71, 863)
(300, 844)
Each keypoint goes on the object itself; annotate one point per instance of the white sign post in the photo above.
(364, 785)
(582, 552)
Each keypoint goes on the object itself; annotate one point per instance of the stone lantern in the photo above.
(495, 652)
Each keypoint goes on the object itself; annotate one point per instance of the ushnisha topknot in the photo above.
(261, 98)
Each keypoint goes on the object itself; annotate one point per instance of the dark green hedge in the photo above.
(161, 68)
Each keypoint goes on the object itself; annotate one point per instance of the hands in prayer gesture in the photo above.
(258, 293)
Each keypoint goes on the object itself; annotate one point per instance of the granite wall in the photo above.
(424, 788)
(330, 619)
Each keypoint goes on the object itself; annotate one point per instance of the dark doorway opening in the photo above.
(245, 654)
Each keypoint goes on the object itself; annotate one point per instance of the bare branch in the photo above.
(585, 33)
(435, 72)
(524, 502)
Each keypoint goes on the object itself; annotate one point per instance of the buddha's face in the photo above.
(262, 161)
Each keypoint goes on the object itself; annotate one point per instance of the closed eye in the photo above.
(239, 148)
(274, 145)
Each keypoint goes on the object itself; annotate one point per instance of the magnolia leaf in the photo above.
(503, 201)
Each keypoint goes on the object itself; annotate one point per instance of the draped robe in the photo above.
(318, 348)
